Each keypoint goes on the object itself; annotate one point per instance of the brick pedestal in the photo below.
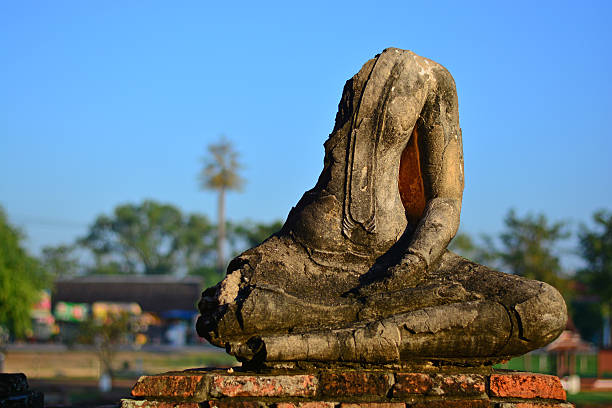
(347, 388)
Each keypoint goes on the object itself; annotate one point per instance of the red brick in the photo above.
(311, 404)
(263, 386)
(170, 385)
(465, 385)
(453, 404)
(235, 404)
(129, 403)
(374, 405)
(411, 383)
(355, 383)
(526, 385)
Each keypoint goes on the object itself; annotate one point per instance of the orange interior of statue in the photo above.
(410, 180)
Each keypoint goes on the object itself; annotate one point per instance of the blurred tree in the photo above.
(596, 250)
(197, 242)
(529, 248)
(254, 233)
(209, 274)
(149, 238)
(220, 173)
(59, 261)
(464, 245)
(106, 334)
(21, 280)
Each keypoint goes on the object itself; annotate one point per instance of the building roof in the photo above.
(569, 341)
(154, 293)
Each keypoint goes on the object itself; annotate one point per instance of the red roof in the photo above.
(569, 340)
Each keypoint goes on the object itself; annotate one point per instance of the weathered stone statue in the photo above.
(360, 271)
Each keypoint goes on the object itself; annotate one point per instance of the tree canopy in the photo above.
(254, 233)
(528, 246)
(148, 238)
(151, 238)
(59, 260)
(21, 280)
(221, 173)
(596, 250)
(221, 167)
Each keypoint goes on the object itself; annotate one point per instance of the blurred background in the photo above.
(143, 144)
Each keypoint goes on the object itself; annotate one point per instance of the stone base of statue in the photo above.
(15, 392)
(348, 388)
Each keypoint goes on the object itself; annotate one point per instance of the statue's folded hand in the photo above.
(405, 274)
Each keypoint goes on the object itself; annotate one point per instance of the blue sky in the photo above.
(104, 103)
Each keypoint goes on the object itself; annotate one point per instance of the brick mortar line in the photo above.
(532, 400)
(271, 404)
(274, 400)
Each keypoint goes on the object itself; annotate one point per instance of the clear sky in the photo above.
(109, 102)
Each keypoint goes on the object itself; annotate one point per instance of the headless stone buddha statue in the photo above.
(360, 272)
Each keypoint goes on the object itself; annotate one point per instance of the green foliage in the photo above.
(220, 172)
(588, 319)
(106, 335)
(221, 165)
(464, 245)
(209, 274)
(196, 241)
(596, 250)
(254, 233)
(241, 236)
(149, 238)
(59, 261)
(529, 248)
(21, 280)
(595, 246)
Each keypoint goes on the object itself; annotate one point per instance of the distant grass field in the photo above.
(598, 399)
(127, 364)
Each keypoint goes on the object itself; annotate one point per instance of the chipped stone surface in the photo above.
(526, 385)
(263, 386)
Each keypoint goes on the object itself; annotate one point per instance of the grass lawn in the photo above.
(591, 399)
(127, 364)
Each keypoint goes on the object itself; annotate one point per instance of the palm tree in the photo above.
(220, 172)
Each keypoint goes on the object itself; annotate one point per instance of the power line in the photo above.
(48, 222)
